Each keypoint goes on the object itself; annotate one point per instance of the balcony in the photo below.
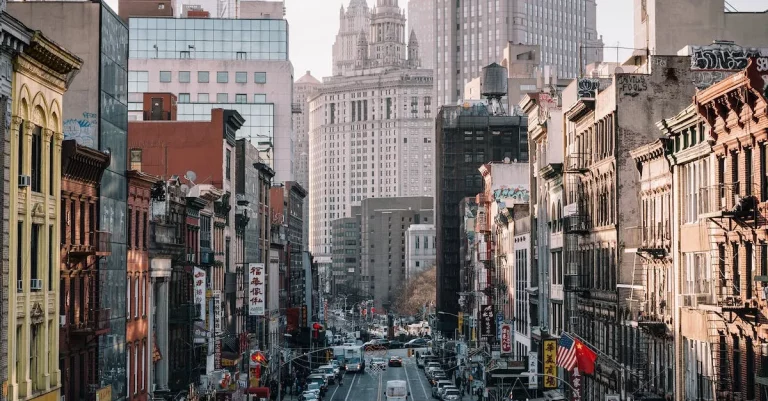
(574, 282)
(577, 162)
(99, 244)
(96, 324)
(726, 200)
(576, 224)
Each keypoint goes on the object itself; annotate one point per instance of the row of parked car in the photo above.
(442, 387)
(319, 380)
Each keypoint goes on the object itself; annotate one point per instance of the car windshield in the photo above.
(377, 360)
(353, 360)
(313, 386)
(451, 392)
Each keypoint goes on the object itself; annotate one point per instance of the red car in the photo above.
(395, 361)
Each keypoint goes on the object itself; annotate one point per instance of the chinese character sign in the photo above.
(487, 321)
(256, 289)
(199, 288)
(217, 312)
(576, 384)
(550, 363)
(506, 339)
(533, 370)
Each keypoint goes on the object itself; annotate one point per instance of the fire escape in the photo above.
(728, 210)
(92, 322)
(653, 252)
(576, 224)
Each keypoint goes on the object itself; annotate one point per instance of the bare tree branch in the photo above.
(419, 290)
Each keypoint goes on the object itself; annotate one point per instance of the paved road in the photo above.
(368, 387)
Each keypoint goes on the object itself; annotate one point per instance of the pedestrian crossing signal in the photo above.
(410, 352)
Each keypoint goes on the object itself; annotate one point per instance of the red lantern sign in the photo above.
(506, 338)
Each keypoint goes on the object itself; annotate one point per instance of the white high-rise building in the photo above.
(371, 122)
(472, 34)
(420, 13)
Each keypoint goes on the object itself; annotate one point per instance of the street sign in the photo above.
(506, 338)
(533, 370)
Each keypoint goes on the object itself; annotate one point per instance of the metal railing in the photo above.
(96, 322)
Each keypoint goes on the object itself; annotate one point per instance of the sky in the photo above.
(313, 26)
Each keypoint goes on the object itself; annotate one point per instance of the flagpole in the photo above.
(592, 347)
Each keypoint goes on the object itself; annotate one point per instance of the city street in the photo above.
(367, 387)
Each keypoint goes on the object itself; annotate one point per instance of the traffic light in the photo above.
(317, 328)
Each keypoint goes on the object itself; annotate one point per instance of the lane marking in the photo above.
(421, 382)
(350, 387)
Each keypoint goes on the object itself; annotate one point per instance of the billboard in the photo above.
(256, 289)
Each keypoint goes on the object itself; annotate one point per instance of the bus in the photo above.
(355, 358)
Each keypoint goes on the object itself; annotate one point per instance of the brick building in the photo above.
(82, 319)
(606, 118)
(734, 112)
(138, 283)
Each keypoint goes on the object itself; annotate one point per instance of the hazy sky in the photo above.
(314, 24)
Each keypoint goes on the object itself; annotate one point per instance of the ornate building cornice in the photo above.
(651, 151)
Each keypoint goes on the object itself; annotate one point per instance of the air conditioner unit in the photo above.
(36, 284)
(24, 181)
(20, 285)
(62, 320)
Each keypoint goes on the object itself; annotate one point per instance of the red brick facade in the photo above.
(81, 320)
(735, 111)
(138, 284)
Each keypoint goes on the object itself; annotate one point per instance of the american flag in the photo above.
(566, 353)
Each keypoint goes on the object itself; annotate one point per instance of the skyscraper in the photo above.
(471, 35)
(304, 88)
(370, 123)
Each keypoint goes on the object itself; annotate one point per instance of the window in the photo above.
(222, 98)
(698, 279)
(52, 265)
(20, 253)
(34, 242)
(241, 98)
(128, 300)
(202, 98)
(165, 76)
(260, 98)
(241, 77)
(145, 286)
(222, 77)
(21, 148)
(260, 77)
(202, 77)
(145, 227)
(37, 158)
(184, 77)
(136, 297)
(184, 98)
(128, 356)
(417, 242)
(227, 166)
(136, 369)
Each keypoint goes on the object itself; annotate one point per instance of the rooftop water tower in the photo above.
(495, 87)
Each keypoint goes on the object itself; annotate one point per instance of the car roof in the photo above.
(316, 376)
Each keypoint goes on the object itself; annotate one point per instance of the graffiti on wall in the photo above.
(761, 65)
(704, 79)
(84, 130)
(516, 194)
(588, 87)
(632, 85)
(721, 56)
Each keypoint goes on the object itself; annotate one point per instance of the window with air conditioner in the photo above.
(698, 279)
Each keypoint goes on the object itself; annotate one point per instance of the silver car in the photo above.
(451, 394)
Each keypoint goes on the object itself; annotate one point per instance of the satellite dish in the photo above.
(618, 70)
(190, 176)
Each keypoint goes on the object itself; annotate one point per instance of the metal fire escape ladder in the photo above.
(716, 324)
(716, 334)
(637, 290)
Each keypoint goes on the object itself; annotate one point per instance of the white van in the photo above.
(397, 390)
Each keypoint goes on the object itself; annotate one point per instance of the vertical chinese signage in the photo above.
(256, 289)
(499, 321)
(576, 384)
(325, 312)
(487, 321)
(550, 363)
(217, 329)
(506, 338)
(304, 316)
(199, 277)
(533, 370)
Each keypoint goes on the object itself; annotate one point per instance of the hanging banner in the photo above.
(256, 289)
(533, 370)
(304, 321)
(550, 363)
(487, 321)
(217, 312)
(499, 321)
(576, 384)
(199, 278)
(506, 338)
